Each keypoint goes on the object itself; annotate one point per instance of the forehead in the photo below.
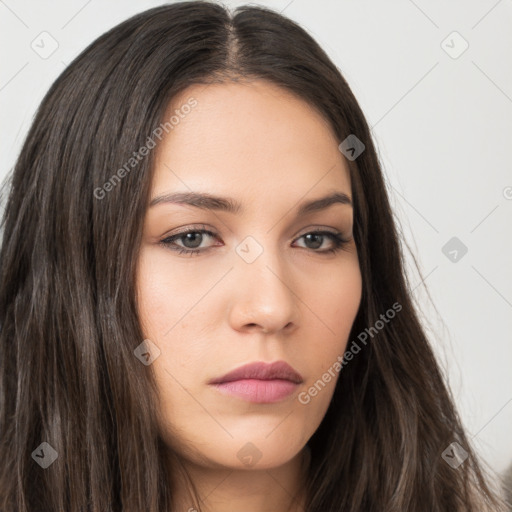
(251, 136)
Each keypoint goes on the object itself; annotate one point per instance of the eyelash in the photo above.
(337, 239)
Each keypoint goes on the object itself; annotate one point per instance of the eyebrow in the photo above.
(211, 202)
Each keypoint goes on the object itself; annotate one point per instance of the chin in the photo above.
(258, 453)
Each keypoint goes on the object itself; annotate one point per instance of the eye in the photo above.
(316, 239)
(192, 240)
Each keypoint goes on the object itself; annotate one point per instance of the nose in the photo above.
(264, 298)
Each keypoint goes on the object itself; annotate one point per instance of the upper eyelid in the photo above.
(211, 232)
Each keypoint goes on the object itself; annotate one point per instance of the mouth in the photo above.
(259, 382)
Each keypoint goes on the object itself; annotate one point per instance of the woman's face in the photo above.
(261, 288)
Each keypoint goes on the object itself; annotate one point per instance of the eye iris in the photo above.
(313, 236)
(193, 237)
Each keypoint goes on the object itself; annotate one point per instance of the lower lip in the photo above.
(258, 391)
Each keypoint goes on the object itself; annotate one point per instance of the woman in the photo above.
(203, 302)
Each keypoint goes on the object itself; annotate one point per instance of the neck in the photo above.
(232, 490)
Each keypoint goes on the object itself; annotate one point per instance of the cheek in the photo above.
(334, 302)
(163, 302)
(167, 292)
(335, 307)
(171, 317)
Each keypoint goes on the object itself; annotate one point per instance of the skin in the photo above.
(210, 313)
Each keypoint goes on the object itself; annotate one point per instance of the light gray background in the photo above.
(442, 123)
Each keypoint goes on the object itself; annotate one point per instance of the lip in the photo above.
(259, 382)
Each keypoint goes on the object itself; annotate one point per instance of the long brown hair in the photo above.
(68, 312)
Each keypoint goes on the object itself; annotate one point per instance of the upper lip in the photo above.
(262, 371)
